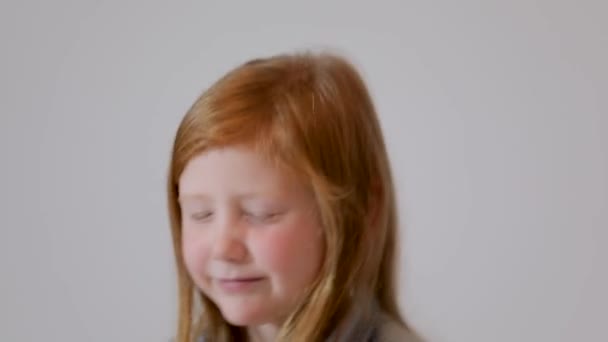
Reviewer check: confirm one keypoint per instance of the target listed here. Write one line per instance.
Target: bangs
(256, 106)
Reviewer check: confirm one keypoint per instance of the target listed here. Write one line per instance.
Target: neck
(263, 333)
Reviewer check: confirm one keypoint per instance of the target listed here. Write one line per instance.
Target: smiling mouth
(238, 284)
(239, 280)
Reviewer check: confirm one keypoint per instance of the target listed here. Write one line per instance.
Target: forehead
(235, 169)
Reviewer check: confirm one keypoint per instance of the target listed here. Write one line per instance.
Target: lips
(242, 279)
(234, 285)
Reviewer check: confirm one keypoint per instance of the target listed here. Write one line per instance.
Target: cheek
(294, 251)
(195, 254)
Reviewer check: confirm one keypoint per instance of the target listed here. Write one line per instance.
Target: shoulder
(391, 330)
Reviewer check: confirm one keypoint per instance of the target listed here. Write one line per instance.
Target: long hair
(311, 113)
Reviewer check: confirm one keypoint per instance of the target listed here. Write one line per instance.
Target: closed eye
(201, 216)
(263, 217)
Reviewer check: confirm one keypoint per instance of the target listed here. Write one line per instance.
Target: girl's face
(251, 236)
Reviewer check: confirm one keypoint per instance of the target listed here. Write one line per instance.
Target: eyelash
(262, 217)
(257, 218)
(201, 216)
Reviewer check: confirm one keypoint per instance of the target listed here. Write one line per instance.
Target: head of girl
(281, 204)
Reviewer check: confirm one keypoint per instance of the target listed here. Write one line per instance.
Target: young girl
(282, 208)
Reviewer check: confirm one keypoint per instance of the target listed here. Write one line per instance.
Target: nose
(229, 244)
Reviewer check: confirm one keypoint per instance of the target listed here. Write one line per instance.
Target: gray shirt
(381, 329)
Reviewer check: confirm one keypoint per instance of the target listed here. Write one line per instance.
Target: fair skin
(251, 237)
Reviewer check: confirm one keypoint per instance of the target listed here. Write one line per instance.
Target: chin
(241, 320)
(243, 317)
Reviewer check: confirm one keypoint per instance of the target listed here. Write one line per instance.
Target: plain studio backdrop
(495, 115)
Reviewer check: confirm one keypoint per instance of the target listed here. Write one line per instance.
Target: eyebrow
(183, 197)
(199, 196)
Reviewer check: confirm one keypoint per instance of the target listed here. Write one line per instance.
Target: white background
(495, 114)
